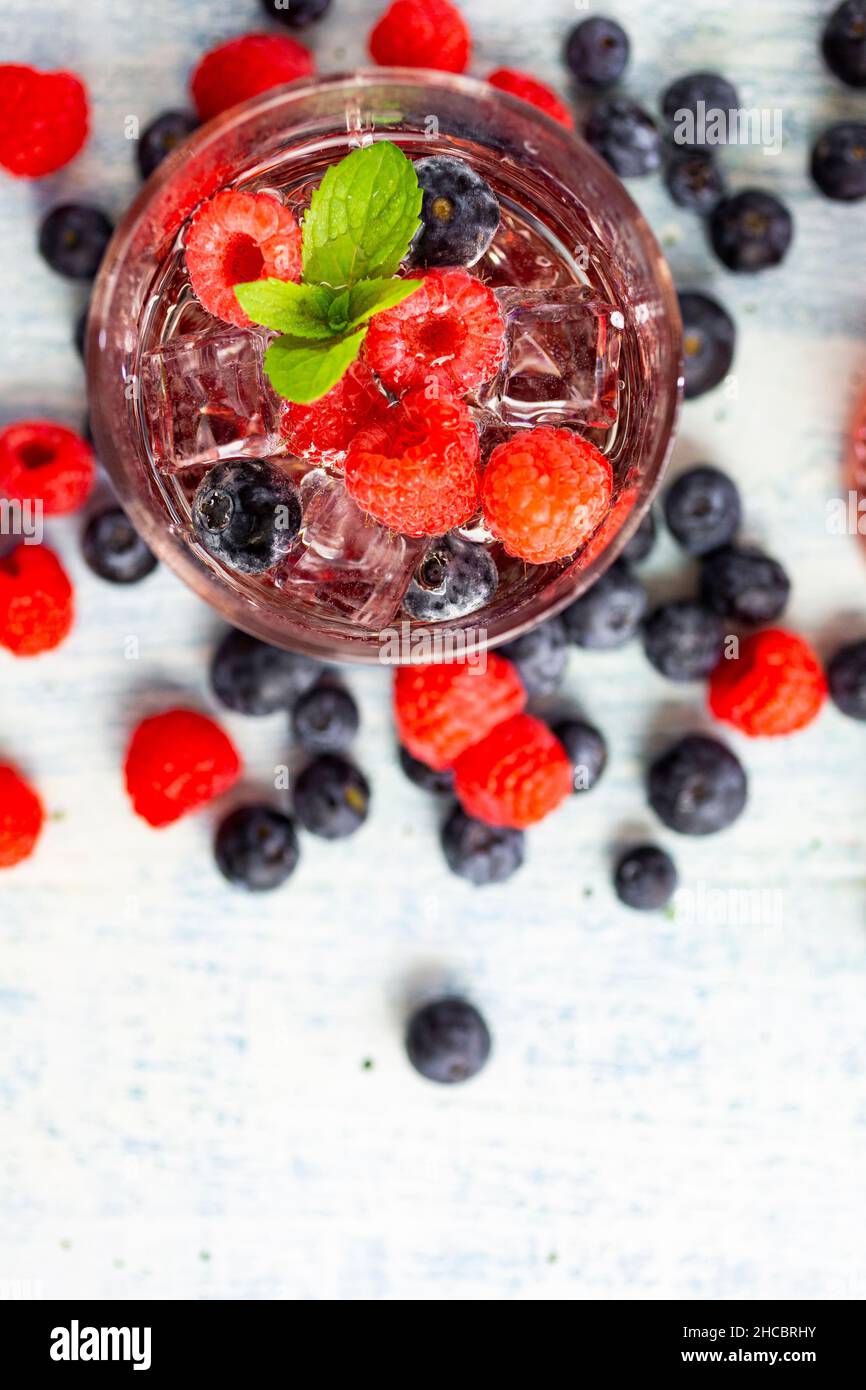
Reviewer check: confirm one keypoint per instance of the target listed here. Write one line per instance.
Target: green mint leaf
(299, 310)
(304, 371)
(338, 314)
(370, 297)
(361, 218)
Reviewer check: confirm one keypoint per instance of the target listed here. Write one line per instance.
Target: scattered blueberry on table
(448, 1041)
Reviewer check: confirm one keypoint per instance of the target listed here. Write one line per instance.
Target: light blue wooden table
(675, 1107)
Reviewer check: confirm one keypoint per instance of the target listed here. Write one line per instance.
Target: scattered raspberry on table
(36, 600)
(440, 710)
(538, 94)
(244, 67)
(515, 776)
(47, 464)
(44, 120)
(422, 34)
(177, 762)
(775, 686)
(21, 818)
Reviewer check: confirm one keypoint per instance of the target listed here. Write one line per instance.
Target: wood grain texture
(675, 1107)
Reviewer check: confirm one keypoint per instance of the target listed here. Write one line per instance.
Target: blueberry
(839, 161)
(332, 798)
(609, 613)
(645, 878)
(846, 675)
(427, 778)
(162, 137)
(586, 749)
(325, 718)
(709, 338)
(114, 550)
(481, 853)
(447, 1041)
(251, 677)
(73, 238)
(694, 181)
(246, 513)
(79, 334)
(743, 583)
(540, 656)
(680, 107)
(295, 13)
(256, 847)
(455, 578)
(683, 640)
(640, 546)
(459, 213)
(626, 136)
(751, 230)
(844, 42)
(702, 509)
(597, 52)
(698, 786)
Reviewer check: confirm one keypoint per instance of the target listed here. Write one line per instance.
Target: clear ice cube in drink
(561, 359)
(205, 397)
(346, 565)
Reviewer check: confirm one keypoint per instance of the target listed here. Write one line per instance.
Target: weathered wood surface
(675, 1107)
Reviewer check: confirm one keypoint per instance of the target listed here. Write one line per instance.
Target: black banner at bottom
(160, 1338)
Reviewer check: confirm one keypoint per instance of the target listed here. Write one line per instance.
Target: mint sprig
(362, 217)
(358, 228)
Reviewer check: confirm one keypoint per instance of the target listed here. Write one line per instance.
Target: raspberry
(21, 817)
(422, 34)
(235, 238)
(177, 762)
(417, 471)
(520, 84)
(440, 710)
(244, 67)
(450, 330)
(775, 686)
(36, 601)
(544, 493)
(44, 120)
(323, 431)
(45, 463)
(515, 776)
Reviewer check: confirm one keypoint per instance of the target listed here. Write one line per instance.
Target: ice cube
(205, 397)
(561, 359)
(521, 255)
(347, 566)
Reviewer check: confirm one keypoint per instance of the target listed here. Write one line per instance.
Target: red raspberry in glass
(235, 238)
(450, 332)
(417, 470)
(544, 493)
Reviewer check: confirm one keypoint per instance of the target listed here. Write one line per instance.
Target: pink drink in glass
(593, 346)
